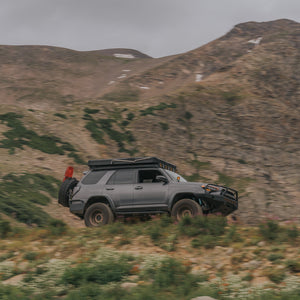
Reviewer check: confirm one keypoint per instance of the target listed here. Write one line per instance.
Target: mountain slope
(227, 112)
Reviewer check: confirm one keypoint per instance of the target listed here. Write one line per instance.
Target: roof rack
(119, 163)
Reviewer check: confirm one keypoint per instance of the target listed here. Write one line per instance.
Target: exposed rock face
(227, 112)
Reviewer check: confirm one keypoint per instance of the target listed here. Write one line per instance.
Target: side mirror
(160, 178)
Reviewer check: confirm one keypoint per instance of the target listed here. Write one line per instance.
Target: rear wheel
(98, 214)
(65, 191)
(186, 207)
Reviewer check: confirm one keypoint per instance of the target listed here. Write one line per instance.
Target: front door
(148, 193)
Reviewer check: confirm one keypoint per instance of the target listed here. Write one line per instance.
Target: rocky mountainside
(227, 112)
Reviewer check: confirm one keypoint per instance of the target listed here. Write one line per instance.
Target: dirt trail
(57, 211)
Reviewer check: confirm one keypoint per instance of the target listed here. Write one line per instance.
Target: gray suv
(140, 186)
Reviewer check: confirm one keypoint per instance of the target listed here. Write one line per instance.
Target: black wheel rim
(184, 211)
(96, 218)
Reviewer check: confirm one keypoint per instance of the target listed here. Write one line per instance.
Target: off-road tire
(65, 190)
(98, 214)
(186, 207)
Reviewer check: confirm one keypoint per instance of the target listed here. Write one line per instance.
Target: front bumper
(221, 199)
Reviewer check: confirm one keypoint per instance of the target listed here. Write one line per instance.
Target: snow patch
(122, 76)
(198, 77)
(256, 41)
(161, 82)
(126, 70)
(119, 55)
(144, 87)
(111, 82)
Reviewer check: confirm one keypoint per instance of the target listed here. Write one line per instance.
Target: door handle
(138, 187)
(109, 188)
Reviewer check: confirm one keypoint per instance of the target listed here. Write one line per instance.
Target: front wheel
(98, 214)
(186, 207)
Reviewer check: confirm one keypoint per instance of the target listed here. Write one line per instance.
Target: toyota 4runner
(140, 186)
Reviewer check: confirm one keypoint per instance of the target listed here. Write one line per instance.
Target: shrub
(57, 227)
(151, 110)
(188, 115)
(164, 126)
(63, 116)
(293, 233)
(130, 116)
(201, 225)
(232, 235)
(5, 228)
(91, 111)
(9, 292)
(171, 275)
(155, 232)
(209, 241)
(293, 265)
(269, 230)
(31, 255)
(100, 272)
(275, 256)
(275, 275)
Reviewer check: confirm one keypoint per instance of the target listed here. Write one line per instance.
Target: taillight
(69, 173)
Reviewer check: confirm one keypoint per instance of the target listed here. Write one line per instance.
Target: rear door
(119, 188)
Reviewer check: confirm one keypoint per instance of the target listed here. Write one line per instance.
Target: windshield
(176, 176)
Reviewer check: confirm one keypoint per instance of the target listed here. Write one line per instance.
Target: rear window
(123, 177)
(93, 177)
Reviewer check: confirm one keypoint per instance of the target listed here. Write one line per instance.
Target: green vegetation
(231, 97)
(101, 272)
(20, 194)
(188, 115)
(162, 106)
(5, 229)
(100, 127)
(19, 136)
(97, 272)
(272, 231)
(164, 126)
(130, 116)
(91, 111)
(63, 116)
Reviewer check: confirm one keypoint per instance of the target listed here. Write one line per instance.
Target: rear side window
(122, 177)
(93, 177)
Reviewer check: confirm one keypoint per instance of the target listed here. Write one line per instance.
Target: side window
(122, 177)
(93, 177)
(148, 176)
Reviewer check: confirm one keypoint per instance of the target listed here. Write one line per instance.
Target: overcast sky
(155, 27)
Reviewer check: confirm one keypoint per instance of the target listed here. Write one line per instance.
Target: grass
(97, 272)
(21, 195)
(111, 128)
(18, 136)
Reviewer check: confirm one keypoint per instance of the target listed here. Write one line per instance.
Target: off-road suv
(140, 186)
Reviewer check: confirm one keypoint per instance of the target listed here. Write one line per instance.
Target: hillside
(227, 112)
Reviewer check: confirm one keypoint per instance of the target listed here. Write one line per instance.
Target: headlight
(210, 188)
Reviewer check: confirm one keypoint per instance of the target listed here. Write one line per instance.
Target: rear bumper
(77, 207)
